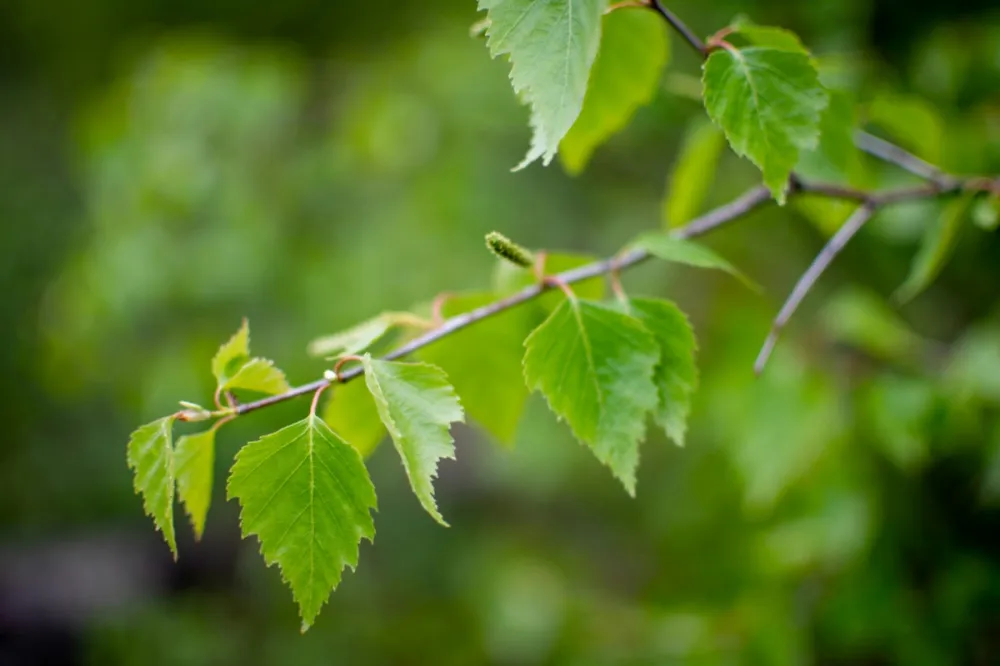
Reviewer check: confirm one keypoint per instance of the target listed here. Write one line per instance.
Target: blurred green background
(169, 167)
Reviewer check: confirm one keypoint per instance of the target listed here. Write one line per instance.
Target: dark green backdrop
(169, 167)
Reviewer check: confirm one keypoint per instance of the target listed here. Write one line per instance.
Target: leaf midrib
(589, 354)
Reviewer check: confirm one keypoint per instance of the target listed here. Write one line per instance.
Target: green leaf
(352, 341)
(552, 45)
(763, 35)
(350, 411)
(508, 279)
(595, 366)
(693, 174)
(306, 494)
(260, 375)
(151, 458)
(234, 369)
(194, 461)
(832, 158)
(936, 248)
(625, 76)
(417, 406)
(360, 338)
(769, 102)
(679, 251)
(232, 355)
(483, 362)
(676, 374)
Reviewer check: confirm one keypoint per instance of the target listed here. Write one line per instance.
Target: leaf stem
(615, 277)
(627, 4)
(315, 400)
(437, 307)
(340, 363)
(555, 281)
(223, 421)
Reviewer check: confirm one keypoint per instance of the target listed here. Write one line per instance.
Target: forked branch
(737, 208)
(940, 183)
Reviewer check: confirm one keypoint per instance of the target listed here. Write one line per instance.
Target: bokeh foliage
(167, 168)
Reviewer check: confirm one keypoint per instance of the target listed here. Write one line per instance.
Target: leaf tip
(628, 481)
(440, 520)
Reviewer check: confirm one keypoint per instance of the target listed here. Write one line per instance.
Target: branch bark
(737, 208)
(939, 184)
(823, 260)
(696, 42)
(893, 154)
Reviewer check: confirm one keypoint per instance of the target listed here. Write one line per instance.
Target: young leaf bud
(507, 249)
(193, 412)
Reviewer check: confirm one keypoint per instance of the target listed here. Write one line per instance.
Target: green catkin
(505, 248)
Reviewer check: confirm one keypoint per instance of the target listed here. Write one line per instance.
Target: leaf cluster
(304, 491)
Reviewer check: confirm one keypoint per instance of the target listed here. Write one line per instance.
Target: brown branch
(871, 203)
(696, 43)
(893, 154)
(829, 190)
(710, 221)
(812, 274)
(873, 145)
(939, 184)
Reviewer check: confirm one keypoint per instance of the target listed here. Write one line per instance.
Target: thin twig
(812, 274)
(696, 43)
(940, 183)
(890, 152)
(710, 221)
(871, 203)
(738, 207)
(869, 143)
(830, 190)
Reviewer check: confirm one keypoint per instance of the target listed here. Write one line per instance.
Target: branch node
(615, 278)
(556, 281)
(718, 41)
(710, 221)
